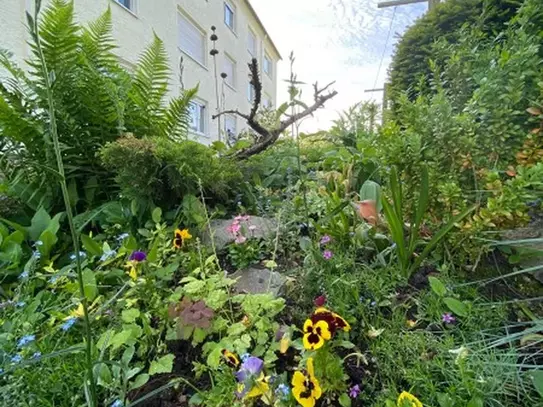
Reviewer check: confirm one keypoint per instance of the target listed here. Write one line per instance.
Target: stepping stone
(256, 280)
(264, 228)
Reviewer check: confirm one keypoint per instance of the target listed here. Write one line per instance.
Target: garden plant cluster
(380, 272)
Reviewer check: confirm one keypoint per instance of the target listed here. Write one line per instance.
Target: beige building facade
(185, 28)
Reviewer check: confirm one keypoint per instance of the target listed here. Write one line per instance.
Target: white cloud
(333, 40)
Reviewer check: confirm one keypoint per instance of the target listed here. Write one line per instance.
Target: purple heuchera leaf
(138, 256)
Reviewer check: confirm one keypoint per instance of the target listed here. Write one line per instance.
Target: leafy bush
(411, 64)
(162, 171)
(96, 100)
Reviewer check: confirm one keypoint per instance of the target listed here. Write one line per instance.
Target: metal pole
(393, 3)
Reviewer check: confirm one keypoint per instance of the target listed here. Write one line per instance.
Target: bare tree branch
(270, 136)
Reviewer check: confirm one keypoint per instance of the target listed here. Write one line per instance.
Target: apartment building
(185, 28)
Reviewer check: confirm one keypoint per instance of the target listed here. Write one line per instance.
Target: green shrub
(411, 61)
(162, 171)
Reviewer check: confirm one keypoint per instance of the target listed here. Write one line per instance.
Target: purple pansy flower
(354, 391)
(138, 256)
(251, 367)
(448, 318)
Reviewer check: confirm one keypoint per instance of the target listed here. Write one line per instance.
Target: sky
(335, 40)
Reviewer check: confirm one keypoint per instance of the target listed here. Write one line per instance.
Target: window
(267, 65)
(251, 43)
(129, 4)
(230, 70)
(197, 112)
(250, 92)
(191, 39)
(267, 103)
(229, 16)
(230, 127)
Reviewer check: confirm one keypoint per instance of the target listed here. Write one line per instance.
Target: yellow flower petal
(317, 391)
(406, 399)
(133, 273)
(298, 379)
(323, 330)
(311, 345)
(310, 367)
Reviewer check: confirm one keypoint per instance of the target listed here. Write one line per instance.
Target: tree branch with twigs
(268, 136)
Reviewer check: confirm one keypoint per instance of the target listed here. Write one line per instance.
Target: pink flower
(325, 239)
(327, 254)
(246, 218)
(240, 239)
(320, 300)
(234, 228)
(238, 218)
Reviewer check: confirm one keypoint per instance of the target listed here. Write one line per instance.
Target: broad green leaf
(456, 306)
(141, 380)
(90, 246)
(89, 281)
(49, 240)
(199, 335)
(103, 373)
(39, 223)
(437, 286)
(475, 402)
(120, 339)
(445, 400)
(127, 355)
(105, 340)
(537, 380)
(371, 190)
(130, 315)
(156, 215)
(344, 400)
(162, 365)
(305, 243)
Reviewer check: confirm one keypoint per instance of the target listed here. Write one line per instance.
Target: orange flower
(367, 210)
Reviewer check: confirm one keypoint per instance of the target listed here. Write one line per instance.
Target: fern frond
(176, 118)
(97, 42)
(150, 85)
(59, 39)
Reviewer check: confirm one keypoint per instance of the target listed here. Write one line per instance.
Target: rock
(534, 250)
(264, 228)
(256, 280)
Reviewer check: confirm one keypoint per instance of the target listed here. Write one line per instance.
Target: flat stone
(256, 280)
(264, 228)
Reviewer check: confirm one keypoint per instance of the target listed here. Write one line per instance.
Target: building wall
(134, 30)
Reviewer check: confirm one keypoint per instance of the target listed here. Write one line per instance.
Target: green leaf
(445, 400)
(156, 215)
(139, 381)
(305, 243)
(127, 355)
(39, 223)
(104, 374)
(90, 246)
(371, 190)
(120, 339)
(537, 380)
(130, 315)
(345, 400)
(89, 281)
(198, 336)
(162, 365)
(437, 286)
(456, 306)
(475, 402)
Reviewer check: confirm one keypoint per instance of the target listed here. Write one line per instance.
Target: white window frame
(133, 8)
(267, 67)
(202, 108)
(255, 50)
(228, 5)
(231, 79)
(189, 20)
